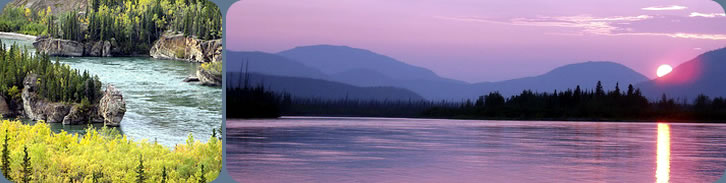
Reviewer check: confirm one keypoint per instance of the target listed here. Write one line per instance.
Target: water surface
(295, 149)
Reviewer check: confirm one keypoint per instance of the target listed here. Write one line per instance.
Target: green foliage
(135, 24)
(56, 82)
(213, 67)
(14, 93)
(20, 20)
(101, 155)
(71, 26)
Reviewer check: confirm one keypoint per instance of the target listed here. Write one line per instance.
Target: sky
(488, 40)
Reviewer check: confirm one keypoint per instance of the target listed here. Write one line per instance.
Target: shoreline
(573, 120)
(17, 36)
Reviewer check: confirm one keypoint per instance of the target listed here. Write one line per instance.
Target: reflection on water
(432, 150)
(662, 172)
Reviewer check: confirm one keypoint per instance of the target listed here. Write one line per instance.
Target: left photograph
(110, 91)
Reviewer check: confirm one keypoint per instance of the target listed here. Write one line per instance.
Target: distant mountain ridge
(366, 69)
(336, 59)
(271, 64)
(705, 74)
(585, 74)
(321, 89)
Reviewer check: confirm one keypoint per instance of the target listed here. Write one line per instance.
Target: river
(159, 106)
(310, 149)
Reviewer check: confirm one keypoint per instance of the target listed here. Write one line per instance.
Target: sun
(663, 70)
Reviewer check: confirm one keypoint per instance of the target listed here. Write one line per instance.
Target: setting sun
(663, 70)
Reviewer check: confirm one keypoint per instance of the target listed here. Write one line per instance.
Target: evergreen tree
(27, 169)
(140, 175)
(96, 176)
(163, 175)
(630, 90)
(202, 179)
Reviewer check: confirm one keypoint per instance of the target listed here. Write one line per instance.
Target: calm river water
(159, 106)
(305, 149)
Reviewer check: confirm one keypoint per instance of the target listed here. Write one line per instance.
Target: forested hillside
(57, 82)
(131, 25)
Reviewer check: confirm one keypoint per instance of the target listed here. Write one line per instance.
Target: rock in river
(59, 47)
(109, 110)
(112, 106)
(208, 79)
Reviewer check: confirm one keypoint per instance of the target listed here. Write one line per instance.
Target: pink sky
(488, 40)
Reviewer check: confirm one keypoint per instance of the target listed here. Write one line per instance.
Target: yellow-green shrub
(63, 157)
(213, 67)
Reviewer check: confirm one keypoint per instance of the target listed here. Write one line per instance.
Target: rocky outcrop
(37, 108)
(112, 106)
(97, 49)
(69, 48)
(59, 47)
(4, 108)
(180, 47)
(82, 115)
(207, 78)
(212, 50)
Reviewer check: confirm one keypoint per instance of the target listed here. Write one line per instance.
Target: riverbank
(17, 36)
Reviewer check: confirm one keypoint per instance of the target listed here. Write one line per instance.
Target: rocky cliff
(38, 108)
(69, 48)
(180, 47)
(59, 47)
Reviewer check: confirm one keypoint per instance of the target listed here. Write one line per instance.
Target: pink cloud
(665, 8)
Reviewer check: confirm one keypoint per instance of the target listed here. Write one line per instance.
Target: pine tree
(6, 157)
(202, 179)
(97, 175)
(27, 169)
(630, 90)
(163, 174)
(140, 176)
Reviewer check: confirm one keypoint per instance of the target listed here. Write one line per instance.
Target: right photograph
(476, 91)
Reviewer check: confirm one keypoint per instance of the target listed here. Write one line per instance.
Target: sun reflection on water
(662, 172)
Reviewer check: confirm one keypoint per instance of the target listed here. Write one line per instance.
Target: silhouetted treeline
(257, 102)
(253, 102)
(577, 104)
(571, 104)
